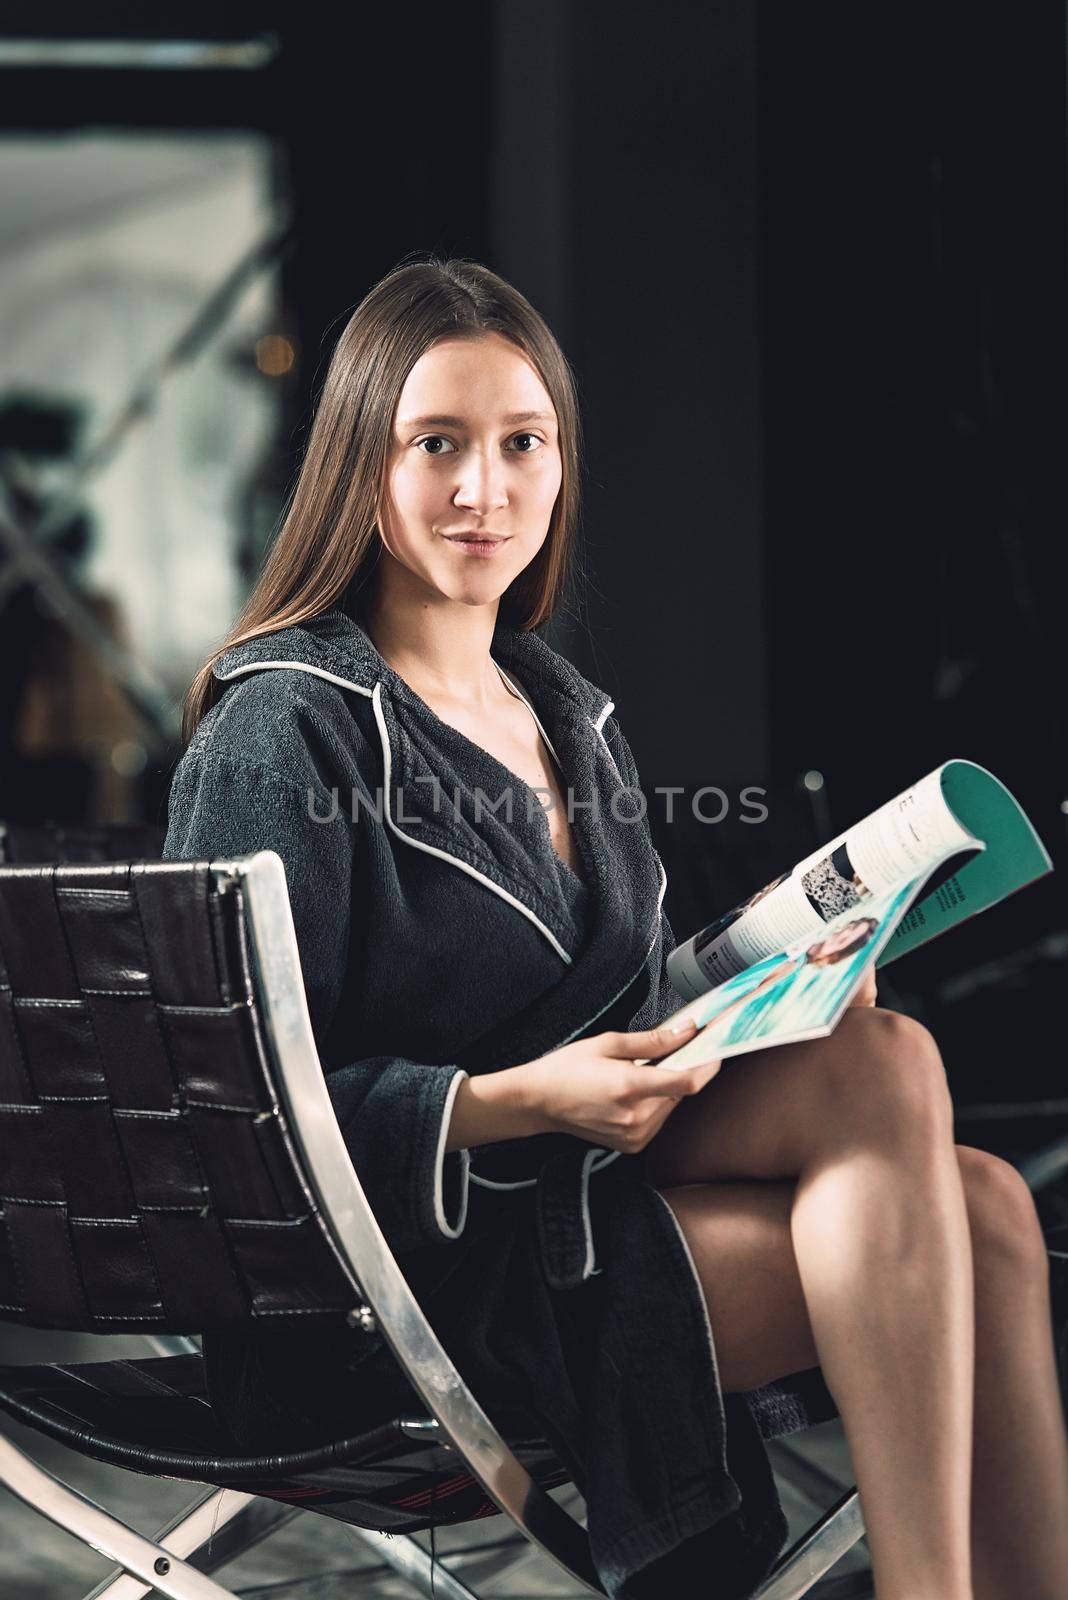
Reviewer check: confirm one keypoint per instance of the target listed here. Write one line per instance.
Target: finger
(653, 1042)
(653, 1081)
(866, 994)
(690, 1079)
(667, 1063)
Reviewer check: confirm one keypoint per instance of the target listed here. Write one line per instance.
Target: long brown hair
(328, 545)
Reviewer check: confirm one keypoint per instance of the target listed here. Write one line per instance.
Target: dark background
(809, 266)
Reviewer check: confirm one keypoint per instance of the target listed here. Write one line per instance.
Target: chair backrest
(24, 842)
(147, 1181)
(170, 1160)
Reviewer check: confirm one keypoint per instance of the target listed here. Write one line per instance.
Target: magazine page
(959, 807)
(1016, 856)
(799, 992)
(893, 845)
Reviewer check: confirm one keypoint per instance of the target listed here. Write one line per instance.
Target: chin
(480, 589)
(480, 599)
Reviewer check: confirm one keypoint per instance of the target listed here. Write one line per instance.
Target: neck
(441, 651)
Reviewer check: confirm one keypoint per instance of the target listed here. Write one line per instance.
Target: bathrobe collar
(334, 645)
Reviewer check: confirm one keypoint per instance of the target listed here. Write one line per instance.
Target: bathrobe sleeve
(393, 1113)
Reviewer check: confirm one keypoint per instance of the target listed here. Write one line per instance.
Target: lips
(475, 544)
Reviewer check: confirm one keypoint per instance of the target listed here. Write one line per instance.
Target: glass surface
(115, 250)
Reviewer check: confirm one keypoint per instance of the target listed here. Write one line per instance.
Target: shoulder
(261, 772)
(283, 722)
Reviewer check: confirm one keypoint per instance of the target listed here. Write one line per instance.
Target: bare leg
(863, 1122)
(1020, 1478)
(740, 1237)
(1020, 1471)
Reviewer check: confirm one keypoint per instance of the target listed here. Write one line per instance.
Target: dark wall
(625, 207)
(914, 310)
(386, 151)
(669, 344)
(914, 330)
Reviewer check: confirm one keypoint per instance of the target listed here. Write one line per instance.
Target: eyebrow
(460, 422)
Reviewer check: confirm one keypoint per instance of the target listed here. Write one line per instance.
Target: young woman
(619, 1252)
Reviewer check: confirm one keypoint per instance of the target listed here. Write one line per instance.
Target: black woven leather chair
(170, 1163)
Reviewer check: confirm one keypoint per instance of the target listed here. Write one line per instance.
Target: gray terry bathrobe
(445, 939)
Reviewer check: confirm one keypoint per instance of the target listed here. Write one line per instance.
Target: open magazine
(784, 964)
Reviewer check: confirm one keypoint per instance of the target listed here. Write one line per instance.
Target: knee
(1005, 1226)
(888, 1074)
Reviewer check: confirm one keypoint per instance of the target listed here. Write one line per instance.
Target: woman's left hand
(866, 995)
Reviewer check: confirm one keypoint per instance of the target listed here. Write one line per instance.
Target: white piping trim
(299, 666)
(599, 725)
(491, 1183)
(509, 680)
(387, 758)
(439, 1166)
(529, 1183)
(696, 1279)
(602, 715)
(590, 1268)
(432, 850)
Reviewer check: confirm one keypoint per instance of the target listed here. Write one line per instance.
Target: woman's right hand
(599, 1088)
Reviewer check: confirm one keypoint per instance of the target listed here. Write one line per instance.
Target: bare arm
(491, 1107)
(599, 1089)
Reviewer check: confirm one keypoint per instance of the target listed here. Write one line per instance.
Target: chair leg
(816, 1552)
(219, 1526)
(87, 1521)
(496, 1561)
(172, 1344)
(805, 1477)
(222, 1524)
(850, 1586)
(1045, 1166)
(411, 1561)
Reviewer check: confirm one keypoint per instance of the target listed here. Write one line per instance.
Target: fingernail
(681, 1027)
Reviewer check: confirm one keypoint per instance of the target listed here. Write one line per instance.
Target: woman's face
(474, 448)
(838, 943)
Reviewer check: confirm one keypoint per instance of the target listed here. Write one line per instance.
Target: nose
(481, 487)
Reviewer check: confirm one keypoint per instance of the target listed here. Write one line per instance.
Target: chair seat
(792, 1404)
(153, 1416)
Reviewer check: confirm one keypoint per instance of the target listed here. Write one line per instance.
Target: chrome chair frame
(361, 1246)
